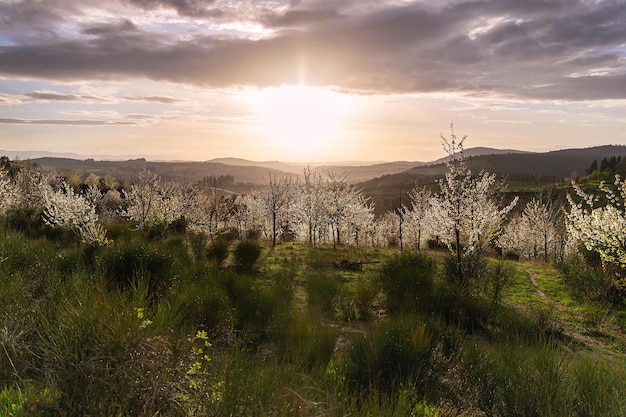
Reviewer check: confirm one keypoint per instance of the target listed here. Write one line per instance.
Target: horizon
(33, 154)
(310, 80)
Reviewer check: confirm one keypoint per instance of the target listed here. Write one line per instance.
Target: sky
(309, 80)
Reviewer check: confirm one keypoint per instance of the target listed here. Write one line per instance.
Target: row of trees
(467, 214)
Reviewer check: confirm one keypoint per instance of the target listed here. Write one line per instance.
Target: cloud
(295, 18)
(54, 96)
(9, 99)
(156, 99)
(548, 50)
(13, 121)
(124, 26)
(191, 8)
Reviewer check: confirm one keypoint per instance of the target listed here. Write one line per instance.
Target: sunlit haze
(309, 80)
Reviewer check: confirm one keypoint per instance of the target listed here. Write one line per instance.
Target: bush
(29, 220)
(201, 303)
(124, 263)
(246, 254)
(255, 305)
(589, 283)
(404, 352)
(218, 251)
(472, 269)
(407, 281)
(517, 380)
(303, 341)
(498, 277)
(322, 290)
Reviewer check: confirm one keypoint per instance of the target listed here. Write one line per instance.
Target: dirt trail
(585, 342)
(531, 274)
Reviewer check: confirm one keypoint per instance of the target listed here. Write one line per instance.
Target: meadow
(184, 326)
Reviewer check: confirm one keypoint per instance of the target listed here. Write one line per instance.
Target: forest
(149, 297)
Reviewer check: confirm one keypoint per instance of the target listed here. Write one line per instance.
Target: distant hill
(377, 180)
(356, 172)
(245, 177)
(275, 165)
(366, 172)
(548, 167)
(245, 173)
(480, 151)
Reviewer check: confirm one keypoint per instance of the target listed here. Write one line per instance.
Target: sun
(302, 122)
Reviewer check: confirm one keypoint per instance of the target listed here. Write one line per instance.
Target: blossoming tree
(602, 228)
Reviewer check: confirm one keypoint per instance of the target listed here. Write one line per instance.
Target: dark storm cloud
(552, 50)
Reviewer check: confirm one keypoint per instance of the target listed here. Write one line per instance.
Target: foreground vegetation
(181, 326)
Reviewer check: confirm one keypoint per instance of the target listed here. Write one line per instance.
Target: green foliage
(246, 254)
(124, 263)
(218, 251)
(200, 302)
(255, 306)
(405, 352)
(515, 380)
(356, 302)
(302, 340)
(464, 276)
(407, 280)
(81, 333)
(29, 220)
(322, 290)
(589, 281)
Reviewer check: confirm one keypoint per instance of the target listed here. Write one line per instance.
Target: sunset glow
(301, 119)
(280, 80)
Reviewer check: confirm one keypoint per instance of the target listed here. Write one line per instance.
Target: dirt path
(580, 342)
(531, 274)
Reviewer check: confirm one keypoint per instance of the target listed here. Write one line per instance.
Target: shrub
(302, 341)
(589, 282)
(255, 305)
(518, 380)
(203, 304)
(246, 254)
(198, 245)
(124, 263)
(218, 251)
(407, 281)
(118, 229)
(356, 302)
(29, 220)
(322, 289)
(404, 352)
(498, 277)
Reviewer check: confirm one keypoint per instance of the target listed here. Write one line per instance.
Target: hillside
(244, 177)
(520, 168)
(382, 181)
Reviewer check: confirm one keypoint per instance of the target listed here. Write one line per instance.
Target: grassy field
(173, 328)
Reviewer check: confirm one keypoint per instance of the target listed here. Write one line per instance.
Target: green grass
(145, 328)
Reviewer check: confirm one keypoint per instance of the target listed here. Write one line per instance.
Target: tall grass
(519, 380)
(146, 328)
(407, 281)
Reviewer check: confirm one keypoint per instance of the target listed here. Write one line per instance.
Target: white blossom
(602, 229)
(8, 191)
(65, 208)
